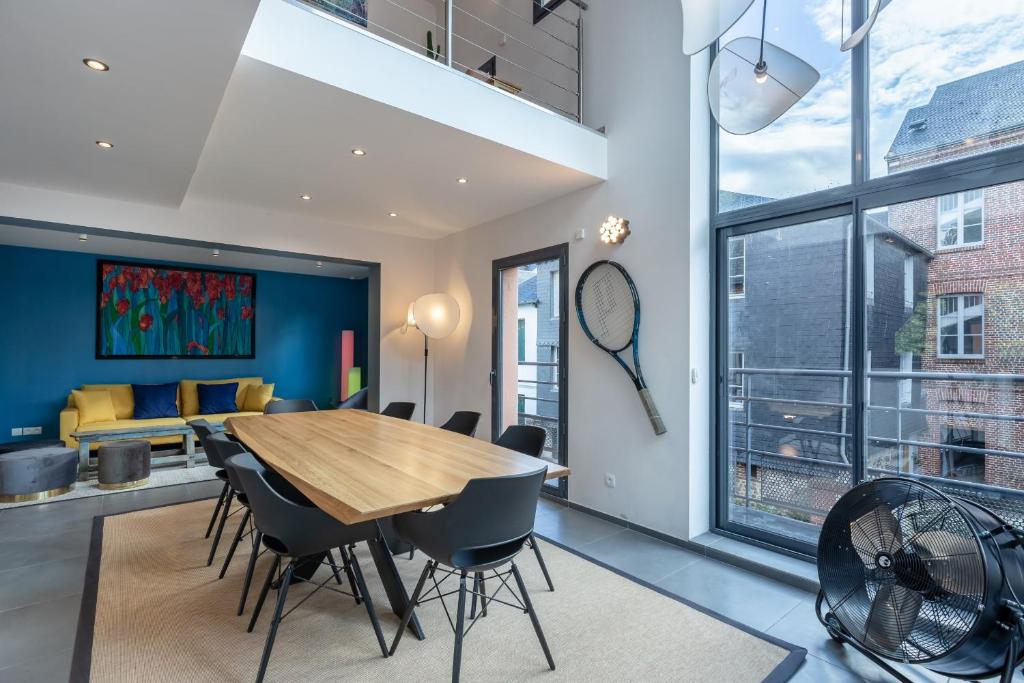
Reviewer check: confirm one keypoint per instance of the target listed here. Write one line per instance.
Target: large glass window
(789, 353)
(808, 148)
(945, 81)
(945, 378)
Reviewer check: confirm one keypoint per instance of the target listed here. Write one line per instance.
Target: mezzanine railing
(539, 61)
(796, 487)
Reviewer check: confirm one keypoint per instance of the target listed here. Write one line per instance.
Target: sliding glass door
(787, 444)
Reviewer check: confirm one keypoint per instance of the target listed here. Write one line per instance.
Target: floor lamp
(436, 316)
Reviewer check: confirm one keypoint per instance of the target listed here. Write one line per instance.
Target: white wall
(637, 83)
(407, 266)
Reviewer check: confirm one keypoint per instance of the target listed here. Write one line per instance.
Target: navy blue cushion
(217, 398)
(155, 400)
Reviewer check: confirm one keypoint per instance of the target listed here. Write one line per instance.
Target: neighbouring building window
(908, 282)
(961, 219)
(737, 380)
(737, 267)
(961, 319)
(522, 339)
(555, 300)
(957, 464)
(521, 404)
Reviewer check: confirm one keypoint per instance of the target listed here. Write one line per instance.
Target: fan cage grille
(902, 569)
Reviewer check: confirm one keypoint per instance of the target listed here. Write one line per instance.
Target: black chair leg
(242, 526)
(263, 592)
(334, 567)
(533, 615)
(220, 503)
(476, 589)
(360, 582)
(411, 607)
(540, 561)
(483, 592)
(220, 527)
(282, 595)
(257, 539)
(347, 561)
(460, 620)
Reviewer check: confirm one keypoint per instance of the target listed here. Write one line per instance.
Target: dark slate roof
(973, 107)
(730, 201)
(528, 291)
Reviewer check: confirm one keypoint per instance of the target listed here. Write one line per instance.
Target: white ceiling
(279, 134)
(191, 119)
(151, 250)
(169, 64)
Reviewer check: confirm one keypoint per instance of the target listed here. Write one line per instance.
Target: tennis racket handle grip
(652, 412)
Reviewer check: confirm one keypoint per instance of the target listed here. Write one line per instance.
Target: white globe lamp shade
(436, 315)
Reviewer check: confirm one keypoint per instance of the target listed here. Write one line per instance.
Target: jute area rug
(153, 611)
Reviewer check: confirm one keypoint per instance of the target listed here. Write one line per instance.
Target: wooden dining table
(358, 466)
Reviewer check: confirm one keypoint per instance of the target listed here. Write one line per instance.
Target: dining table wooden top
(359, 466)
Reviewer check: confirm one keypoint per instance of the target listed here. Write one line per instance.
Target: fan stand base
(839, 634)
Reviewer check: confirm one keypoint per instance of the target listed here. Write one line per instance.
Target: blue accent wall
(48, 337)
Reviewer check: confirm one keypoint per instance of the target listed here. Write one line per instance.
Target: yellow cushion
(93, 407)
(131, 424)
(257, 396)
(190, 395)
(120, 394)
(220, 417)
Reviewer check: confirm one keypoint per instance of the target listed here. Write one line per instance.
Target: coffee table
(85, 439)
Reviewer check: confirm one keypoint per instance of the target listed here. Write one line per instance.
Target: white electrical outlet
(32, 431)
(16, 431)
(609, 480)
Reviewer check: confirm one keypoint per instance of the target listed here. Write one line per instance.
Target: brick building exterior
(976, 242)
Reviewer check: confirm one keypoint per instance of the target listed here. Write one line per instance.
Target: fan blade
(874, 532)
(952, 560)
(891, 619)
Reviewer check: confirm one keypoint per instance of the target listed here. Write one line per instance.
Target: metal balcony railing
(804, 488)
(539, 62)
(549, 423)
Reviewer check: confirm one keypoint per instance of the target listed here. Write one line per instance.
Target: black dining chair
(462, 422)
(481, 530)
(289, 405)
(299, 534)
(357, 401)
(403, 410)
(203, 431)
(218, 447)
(528, 440)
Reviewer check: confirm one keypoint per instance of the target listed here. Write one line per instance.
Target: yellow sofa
(124, 408)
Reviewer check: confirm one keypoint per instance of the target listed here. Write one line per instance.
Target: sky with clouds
(915, 46)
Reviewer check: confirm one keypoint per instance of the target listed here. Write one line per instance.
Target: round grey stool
(123, 464)
(37, 473)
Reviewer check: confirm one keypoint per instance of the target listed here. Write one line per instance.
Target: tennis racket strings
(608, 307)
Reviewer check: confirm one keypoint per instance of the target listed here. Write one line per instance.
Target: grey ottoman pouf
(37, 473)
(123, 464)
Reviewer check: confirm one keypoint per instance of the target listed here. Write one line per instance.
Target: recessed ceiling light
(95, 64)
(359, 152)
(216, 252)
(319, 264)
(83, 237)
(104, 144)
(463, 181)
(305, 197)
(393, 214)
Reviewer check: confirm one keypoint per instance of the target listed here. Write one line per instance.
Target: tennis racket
(608, 307)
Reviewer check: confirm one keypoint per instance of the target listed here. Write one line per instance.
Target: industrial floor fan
(912, 575)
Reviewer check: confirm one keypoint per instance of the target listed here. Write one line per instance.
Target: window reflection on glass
(737, 266)
(944, 84)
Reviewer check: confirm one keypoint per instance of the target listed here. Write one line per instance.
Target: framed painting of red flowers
(151, 311)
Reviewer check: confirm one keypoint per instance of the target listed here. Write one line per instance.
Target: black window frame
(987, 169)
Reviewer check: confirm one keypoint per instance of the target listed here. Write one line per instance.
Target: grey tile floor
(43, 551)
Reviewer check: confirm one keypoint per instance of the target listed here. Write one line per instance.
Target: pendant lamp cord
(764, 17)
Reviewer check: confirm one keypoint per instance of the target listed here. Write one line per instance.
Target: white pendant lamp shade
(858, 36)
(744, 101)
(436, 315)
(705, 21)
